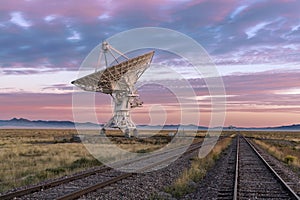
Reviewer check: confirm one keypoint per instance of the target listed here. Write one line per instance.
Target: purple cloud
(51, 36)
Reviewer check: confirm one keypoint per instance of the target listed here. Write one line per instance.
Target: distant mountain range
(25, 123)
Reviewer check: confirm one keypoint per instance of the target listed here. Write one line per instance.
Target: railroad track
(255, 178)
(247, 175)
(227, 174)
(78, 185)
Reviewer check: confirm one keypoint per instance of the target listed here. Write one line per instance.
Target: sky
(255, 45)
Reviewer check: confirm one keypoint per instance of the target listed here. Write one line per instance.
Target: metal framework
(118, 81)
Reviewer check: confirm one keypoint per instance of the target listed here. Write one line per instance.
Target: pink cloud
(53, 22)
(249, 95)
(87, 10)
(90, 10)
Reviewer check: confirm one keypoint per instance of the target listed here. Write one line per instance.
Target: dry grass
(278, 135)
(286, 152)
(197, 171)
(29, 156)
(283, 145)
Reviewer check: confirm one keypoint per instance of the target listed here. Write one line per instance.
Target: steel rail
(55, 183)
(281, 181)
(97, 186)
(235, 191)
(50, 184)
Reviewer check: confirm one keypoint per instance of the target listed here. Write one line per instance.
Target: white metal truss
(118, 81)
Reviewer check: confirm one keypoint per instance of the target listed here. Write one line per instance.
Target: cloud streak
(65, 32)
(260, 40)
(247, 94)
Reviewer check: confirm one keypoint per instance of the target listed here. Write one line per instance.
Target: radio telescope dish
(119, 82)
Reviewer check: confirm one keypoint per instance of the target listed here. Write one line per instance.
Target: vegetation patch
(83, 163)
(290, 159)
(77, 164)
(30, 156)
(56, 170)
(186, 183)
(288, 154)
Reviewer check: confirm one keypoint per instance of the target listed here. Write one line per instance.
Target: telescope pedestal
(118, 81)
(123, 102)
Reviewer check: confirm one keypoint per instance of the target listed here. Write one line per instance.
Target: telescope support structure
(118, 81)
(123, 101)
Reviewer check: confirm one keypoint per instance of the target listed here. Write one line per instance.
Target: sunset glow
(254, 44)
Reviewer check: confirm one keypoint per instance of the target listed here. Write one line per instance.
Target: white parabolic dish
(119, 81)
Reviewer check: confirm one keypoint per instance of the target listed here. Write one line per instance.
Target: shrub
(56, 171)
(29, 180)
(199, 167)
(84, 162)
(289, 159)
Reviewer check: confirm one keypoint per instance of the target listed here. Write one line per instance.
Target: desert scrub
(270, 149)
(26, 164)
(287, 154)
(199, 167)
(290, 159)
(31, 156)
(278, 135)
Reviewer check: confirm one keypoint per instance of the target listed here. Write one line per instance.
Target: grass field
(285, 146)
(197, 171)
(29, 156)
(33, 155)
